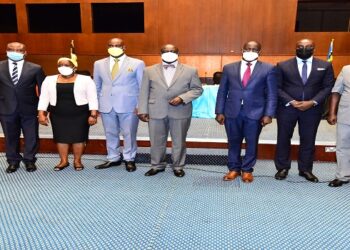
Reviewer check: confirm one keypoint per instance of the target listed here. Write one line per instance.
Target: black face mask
(304, 53)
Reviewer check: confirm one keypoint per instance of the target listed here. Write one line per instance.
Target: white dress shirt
(308, 63)
(169, 72)
(244, 67)
(112, 61)
(19, 67)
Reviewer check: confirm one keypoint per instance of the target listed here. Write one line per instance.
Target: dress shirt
(19, 67)
(300, 68)
(244, 67)
(112, 61)
(308, 63)
(169, 72)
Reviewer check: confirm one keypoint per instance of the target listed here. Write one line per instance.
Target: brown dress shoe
(247, 177)
(231, 175)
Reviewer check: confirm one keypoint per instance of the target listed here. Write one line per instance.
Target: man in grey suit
(165, 102)
(341, 98)
(118, 80)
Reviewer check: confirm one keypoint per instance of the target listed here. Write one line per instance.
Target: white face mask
(250, 56)
(170, 57)
(115, 51)
(65, 71)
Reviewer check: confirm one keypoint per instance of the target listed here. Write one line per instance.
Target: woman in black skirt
(70, 101)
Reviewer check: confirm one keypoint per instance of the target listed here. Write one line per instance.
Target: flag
(73, 56)
(330, 52)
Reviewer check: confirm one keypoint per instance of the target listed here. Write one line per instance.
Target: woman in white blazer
(70, 101)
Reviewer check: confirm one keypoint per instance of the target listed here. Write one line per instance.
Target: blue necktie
(304, 72)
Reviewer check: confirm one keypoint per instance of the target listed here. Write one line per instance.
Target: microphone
(205, 78)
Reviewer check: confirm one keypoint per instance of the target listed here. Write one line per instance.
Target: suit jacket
(317, 87)
(120, 93)
(259, 97)
(84, 90)
(23, 96)
(155, 93)
(342, 86)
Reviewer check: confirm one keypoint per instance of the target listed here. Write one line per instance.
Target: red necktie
(246, 75)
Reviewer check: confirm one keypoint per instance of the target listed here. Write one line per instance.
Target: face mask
(15, 56)
(304, 53)
(169, 57)
(115, 51)
(250, 56)
(65, 71)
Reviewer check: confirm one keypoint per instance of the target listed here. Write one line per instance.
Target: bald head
(116, 42)
(305, 42)
(252, 46)
(169, 48)
(16, 47)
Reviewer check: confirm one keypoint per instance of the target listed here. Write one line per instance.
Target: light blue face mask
(15, 56)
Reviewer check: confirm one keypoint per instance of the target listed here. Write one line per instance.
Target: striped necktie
(14, 73)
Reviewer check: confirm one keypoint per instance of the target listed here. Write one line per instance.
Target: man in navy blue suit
(304, 83)
(19, 82)
(246, 101)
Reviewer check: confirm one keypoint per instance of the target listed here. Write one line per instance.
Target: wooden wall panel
(191, 25)
(230, 26)
(278, 27)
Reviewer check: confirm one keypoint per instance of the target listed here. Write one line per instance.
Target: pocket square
(320, 69)
(130, 70)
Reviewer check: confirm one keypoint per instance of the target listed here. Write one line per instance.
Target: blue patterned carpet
(114, 209)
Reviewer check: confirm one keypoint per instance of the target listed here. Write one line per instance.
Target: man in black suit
(19, 83)
(304, 83)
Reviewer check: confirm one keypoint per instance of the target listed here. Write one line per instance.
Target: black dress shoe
(308, 176)
(108, 164)
(337, 183)
(12, 168)
(30, 166)
(153, 171)
(179, 173)
(130, 166)
(281, 174)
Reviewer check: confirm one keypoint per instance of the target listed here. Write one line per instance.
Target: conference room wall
(209, 33)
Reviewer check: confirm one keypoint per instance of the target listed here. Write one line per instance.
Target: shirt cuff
(288, 103)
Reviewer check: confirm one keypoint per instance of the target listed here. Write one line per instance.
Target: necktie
(15, 73)
(115, 68)
(304, 72)
(246, 75)
(166, 66)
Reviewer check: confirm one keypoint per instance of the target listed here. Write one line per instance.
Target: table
(204, 106)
